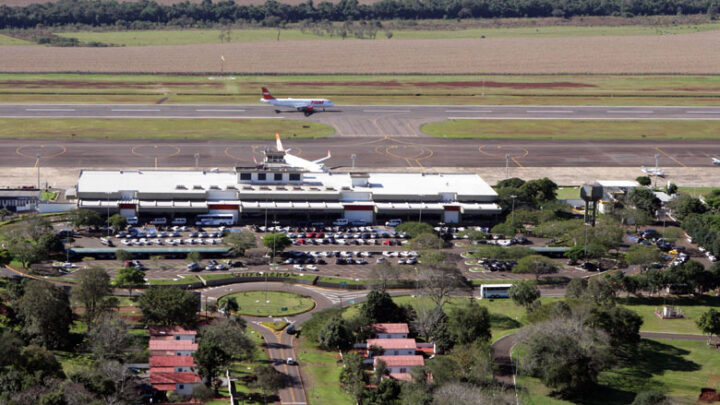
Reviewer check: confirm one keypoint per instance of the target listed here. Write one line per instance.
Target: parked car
(193, 267)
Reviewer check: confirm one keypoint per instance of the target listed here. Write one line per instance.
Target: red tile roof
(392, 343)
(164, 387)
(170, 330)
(391, 328)
(172, 345)
(402, 361)
(171, 361)
(401, 376)
(173, 378)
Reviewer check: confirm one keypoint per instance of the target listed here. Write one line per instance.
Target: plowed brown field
(687, 53)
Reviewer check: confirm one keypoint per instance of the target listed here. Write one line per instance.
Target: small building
(19, 199)
(391, 330)
(177, 332)
(393, 347)
(398, 366)
(172, 347)
(176, 364)
(181, 383)
(615, 191)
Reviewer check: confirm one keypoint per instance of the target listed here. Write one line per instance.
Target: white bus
(215, 219)
(495, 290)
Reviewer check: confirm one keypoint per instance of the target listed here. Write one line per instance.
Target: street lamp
(507, 166)
(38, 156)
(107, 220)
(197, 160)
(512, 211)
(353, 157)
(656, 169)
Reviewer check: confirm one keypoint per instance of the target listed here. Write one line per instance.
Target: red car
(301, 241)
(386, 242)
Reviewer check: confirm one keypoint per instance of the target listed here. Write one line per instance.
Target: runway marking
(19, 152)
(672, 158)
(386, 111)
(630, 111)
(702, 112)
(49, 109)
(135, 110)
(512, 157)
(549, 111)
(210, 110)
(468, 111)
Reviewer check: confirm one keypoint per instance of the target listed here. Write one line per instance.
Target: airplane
(653, 172)
(306, 105)
(716, 161)
(295, 161)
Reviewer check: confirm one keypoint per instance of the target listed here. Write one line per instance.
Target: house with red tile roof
(391, 330)
(163, 347)
(181, 383)
(179, 364)
(397, 365)
(171, 359)
(393, 347)
(174, 332)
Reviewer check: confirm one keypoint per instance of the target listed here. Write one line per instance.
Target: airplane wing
(328, 157)
(301, 104)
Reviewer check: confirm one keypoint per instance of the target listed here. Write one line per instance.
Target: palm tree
(229, 305)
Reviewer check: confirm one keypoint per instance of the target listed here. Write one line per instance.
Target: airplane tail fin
(266, 94)
(278, 143)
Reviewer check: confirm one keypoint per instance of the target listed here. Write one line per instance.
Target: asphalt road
(362, 120)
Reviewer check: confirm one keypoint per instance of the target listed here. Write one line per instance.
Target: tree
(671, 188)
(413, 229)
(644, 199)
(643, 181)
(84, 217)
(643, 255)
(276, 242)
(387, 392)
(108, 338)
(25, 251)
(576, 288)
(524, 293)
(202, 393)
(45, 314)
(230, 334)
(194, 256)
(352, 376)
(128, 277)
(634, 216)
(684, 205)
(49, 243)
(535, 264)
(117, 222)
(5, 257)
(474, 235)
(382, 274)
(652, 397)
(463, 393)
(600, 291)
(440, 280)
(426, 241)
(228, 305)
(122, 255)
(93, 291)
(239, 242)
(709, 323)
(380, 308)
(210, 358)
(168, 306)
(621, 324)
(565, 355)
(470, 323)
(334, 335)
(269, 380)
(380, 370)
(474, 363)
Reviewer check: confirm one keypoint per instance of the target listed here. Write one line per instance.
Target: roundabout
(270, 303)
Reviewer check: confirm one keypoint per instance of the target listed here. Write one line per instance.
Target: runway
(362, 120)
(422, 153)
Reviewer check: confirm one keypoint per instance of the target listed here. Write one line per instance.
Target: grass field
(572, 129)
(568, 193)
(160, 129)
(209, 36)
(322, 371)
(8, 40)
(678, 368)
(692, 308)
(254, 303)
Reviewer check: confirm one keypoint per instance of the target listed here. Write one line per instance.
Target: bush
(643, 180)
(653, 397)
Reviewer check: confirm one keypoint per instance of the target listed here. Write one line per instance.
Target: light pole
(656, 169)
(507, 166)
(38, 156)
(107, 220)
(512, 211)
(353, 157)
(197, 160)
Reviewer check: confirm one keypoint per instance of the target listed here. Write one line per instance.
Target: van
(159, 221)
(341, 222)
(179, 221)
(393, 222)
(132, 220)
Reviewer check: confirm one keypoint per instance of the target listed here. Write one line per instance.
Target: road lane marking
(468, 111)
(49, 109)
(703, 112)
(135, 110)
(630, 111)
(549, 111)
(386, 111)
(210, 110)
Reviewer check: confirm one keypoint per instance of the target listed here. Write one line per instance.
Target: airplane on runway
(653, 172)
(292, 160)
(716, 161)
(306, 105)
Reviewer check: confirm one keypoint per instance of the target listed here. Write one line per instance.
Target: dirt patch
(478, 83)
(40, 84)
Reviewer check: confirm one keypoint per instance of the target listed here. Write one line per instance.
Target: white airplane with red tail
(296, 161)
(306, 105)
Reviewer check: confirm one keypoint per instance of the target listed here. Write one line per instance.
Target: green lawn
(271, 303)
(161, 129)
(572, 129)
(212, 36)
(692, 308)
(568, 193)
(242, 370)
(696, 191)
(677, 367)
(8, 40)
(175, 281)
(323, 372)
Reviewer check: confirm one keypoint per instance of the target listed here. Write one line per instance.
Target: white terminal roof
(619, 183)
(167, 181)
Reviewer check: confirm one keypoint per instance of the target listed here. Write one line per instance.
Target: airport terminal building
(278, 190)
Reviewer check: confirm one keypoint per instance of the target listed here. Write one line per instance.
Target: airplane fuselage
(301, 104)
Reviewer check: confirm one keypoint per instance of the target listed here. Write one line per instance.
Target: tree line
(140, 14)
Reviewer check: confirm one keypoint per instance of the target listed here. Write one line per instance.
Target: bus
(495, 290)
(215, 220)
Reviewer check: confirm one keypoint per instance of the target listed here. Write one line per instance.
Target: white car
(393, 222)
(298, 267)
(310, 267)
(68, 265)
